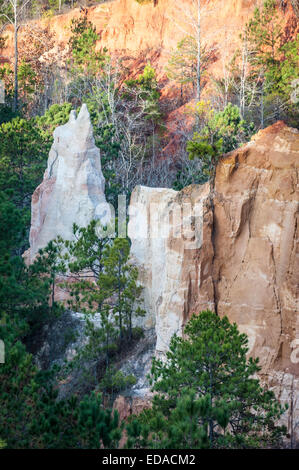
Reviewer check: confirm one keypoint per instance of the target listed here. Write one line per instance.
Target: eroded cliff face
(256, 265)
(234, 251)
(171, 234)
(149, 32)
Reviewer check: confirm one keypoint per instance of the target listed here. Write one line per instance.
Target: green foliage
(126, 114)
(127, 122)
(6, 9)
(83, 46)
(100, 428)
(48, 266)
(22, 160)
(56, 115)
(264, 32)
(275, 60)
(179, 430)
(17, 385)
(288, 70)
(6, 113)
(10, 266)
(281, 78)
(22, 292)
(27, 80)
(68, 424)
(2, 444)
(222, 132)
(103, 282)
(114, 381)
(182, 65)
(149, 92)
(205, 393)
(12, 226)
(30, 415)
(229, 125)
(102, 269)
(107, 141)
(6, 75)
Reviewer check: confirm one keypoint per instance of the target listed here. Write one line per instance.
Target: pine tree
(273, 59)
(30, 414)
(83, 46)
(205, 393)
(49, 265)
(99, 427)
(221, 132)
(22, 161)
(183, 64)
(103, 282)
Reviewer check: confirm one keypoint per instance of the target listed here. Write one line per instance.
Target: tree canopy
(207, 393)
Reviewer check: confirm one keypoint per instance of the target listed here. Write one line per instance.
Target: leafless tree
(191, 15)
(15, 18)
(126, 110)
(247, 81)
(224, 84)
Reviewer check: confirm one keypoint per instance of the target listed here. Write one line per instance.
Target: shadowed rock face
(245, 262)
(73, 186)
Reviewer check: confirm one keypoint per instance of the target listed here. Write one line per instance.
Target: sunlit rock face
(256, 244)
(256, 265)
(171, 235)
(73, 186)
(245, 263)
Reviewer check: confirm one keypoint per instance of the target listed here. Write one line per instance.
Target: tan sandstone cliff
(234, 250)
(241, 260)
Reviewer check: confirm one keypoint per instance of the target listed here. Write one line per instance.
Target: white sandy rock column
(72, 190)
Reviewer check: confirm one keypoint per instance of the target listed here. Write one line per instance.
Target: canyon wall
(236, 253)
(149, 32)
(232, 249)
